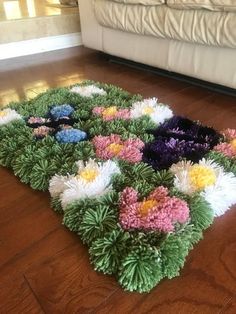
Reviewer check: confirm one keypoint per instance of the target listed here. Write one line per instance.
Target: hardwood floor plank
(230, 306)
(23, 231)
(16, 297)
(17, 198)
(52, 243)
(66, 283)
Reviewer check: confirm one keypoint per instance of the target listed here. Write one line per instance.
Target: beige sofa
(196, 38)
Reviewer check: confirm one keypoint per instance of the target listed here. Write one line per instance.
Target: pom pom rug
(136, 182)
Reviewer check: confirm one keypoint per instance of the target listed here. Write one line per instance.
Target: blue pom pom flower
(70, 136)
(61, 111)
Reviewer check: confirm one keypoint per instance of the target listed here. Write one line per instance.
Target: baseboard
(38, 45)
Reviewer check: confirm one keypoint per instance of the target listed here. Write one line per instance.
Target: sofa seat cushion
(143, 2)
(213, 5)
(195, 26)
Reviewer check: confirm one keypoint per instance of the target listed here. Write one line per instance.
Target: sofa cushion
(213, 5)
(144, 2)
(195, 26)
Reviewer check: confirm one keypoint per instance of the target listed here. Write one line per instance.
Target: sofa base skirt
(213, 64)
(170, 74)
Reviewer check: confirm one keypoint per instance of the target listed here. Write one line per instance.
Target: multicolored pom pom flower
(61, 111)
(32, 121)
(92, 180)
(111, 146)
(70, 135)
(158, 212)
(111, 113)
(8, 115)
(157, 112)
(88, 90)
(216, 186)
(228, 148)
(42, 131)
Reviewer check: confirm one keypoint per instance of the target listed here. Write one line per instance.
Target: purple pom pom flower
(163, 152)
(188, 130)
(179, 138)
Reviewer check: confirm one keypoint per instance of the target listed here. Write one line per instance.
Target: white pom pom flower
(57, 184)
(8, 115)
(92, 180)
(158, 112)
(216, 186)
(88, 90)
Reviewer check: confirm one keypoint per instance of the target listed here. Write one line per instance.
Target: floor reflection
(18, 9)
(26, 77)
(8, 96)
(29, 90)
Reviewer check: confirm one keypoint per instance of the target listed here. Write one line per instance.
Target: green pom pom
(41, 173)
(46, 145)
(143, 188)
(22, 165)
(56, 204)
(83, 151)
(152, 238)
(96, 222)
(140, 269)
(142, 171)
(119, 182)
(92, 126)
(12, 129)
(116, 127)
(139, 127)
(163, 177)
(177, 193)
(229, 164)
(202, 215)
(74, 212)
(65, 168)
(174, 251)
(8, 151)
(105, 253)
(110, 199)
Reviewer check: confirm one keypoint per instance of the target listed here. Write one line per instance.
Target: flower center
(148, 110)
(88, 175)
(233, 143)
(201, 176)
(146, 206)
(115, 148)
(110, 111)
(3, 113)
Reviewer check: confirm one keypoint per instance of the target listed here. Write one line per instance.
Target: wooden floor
(44, 268)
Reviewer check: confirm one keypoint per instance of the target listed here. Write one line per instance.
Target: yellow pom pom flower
(201, 176)
(207, 177)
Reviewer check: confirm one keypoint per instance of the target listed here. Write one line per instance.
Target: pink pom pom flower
(228, 148)
(111, 113)
(111, 146)
(158, 212)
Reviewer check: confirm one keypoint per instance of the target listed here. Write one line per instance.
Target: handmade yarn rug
(137, 183)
